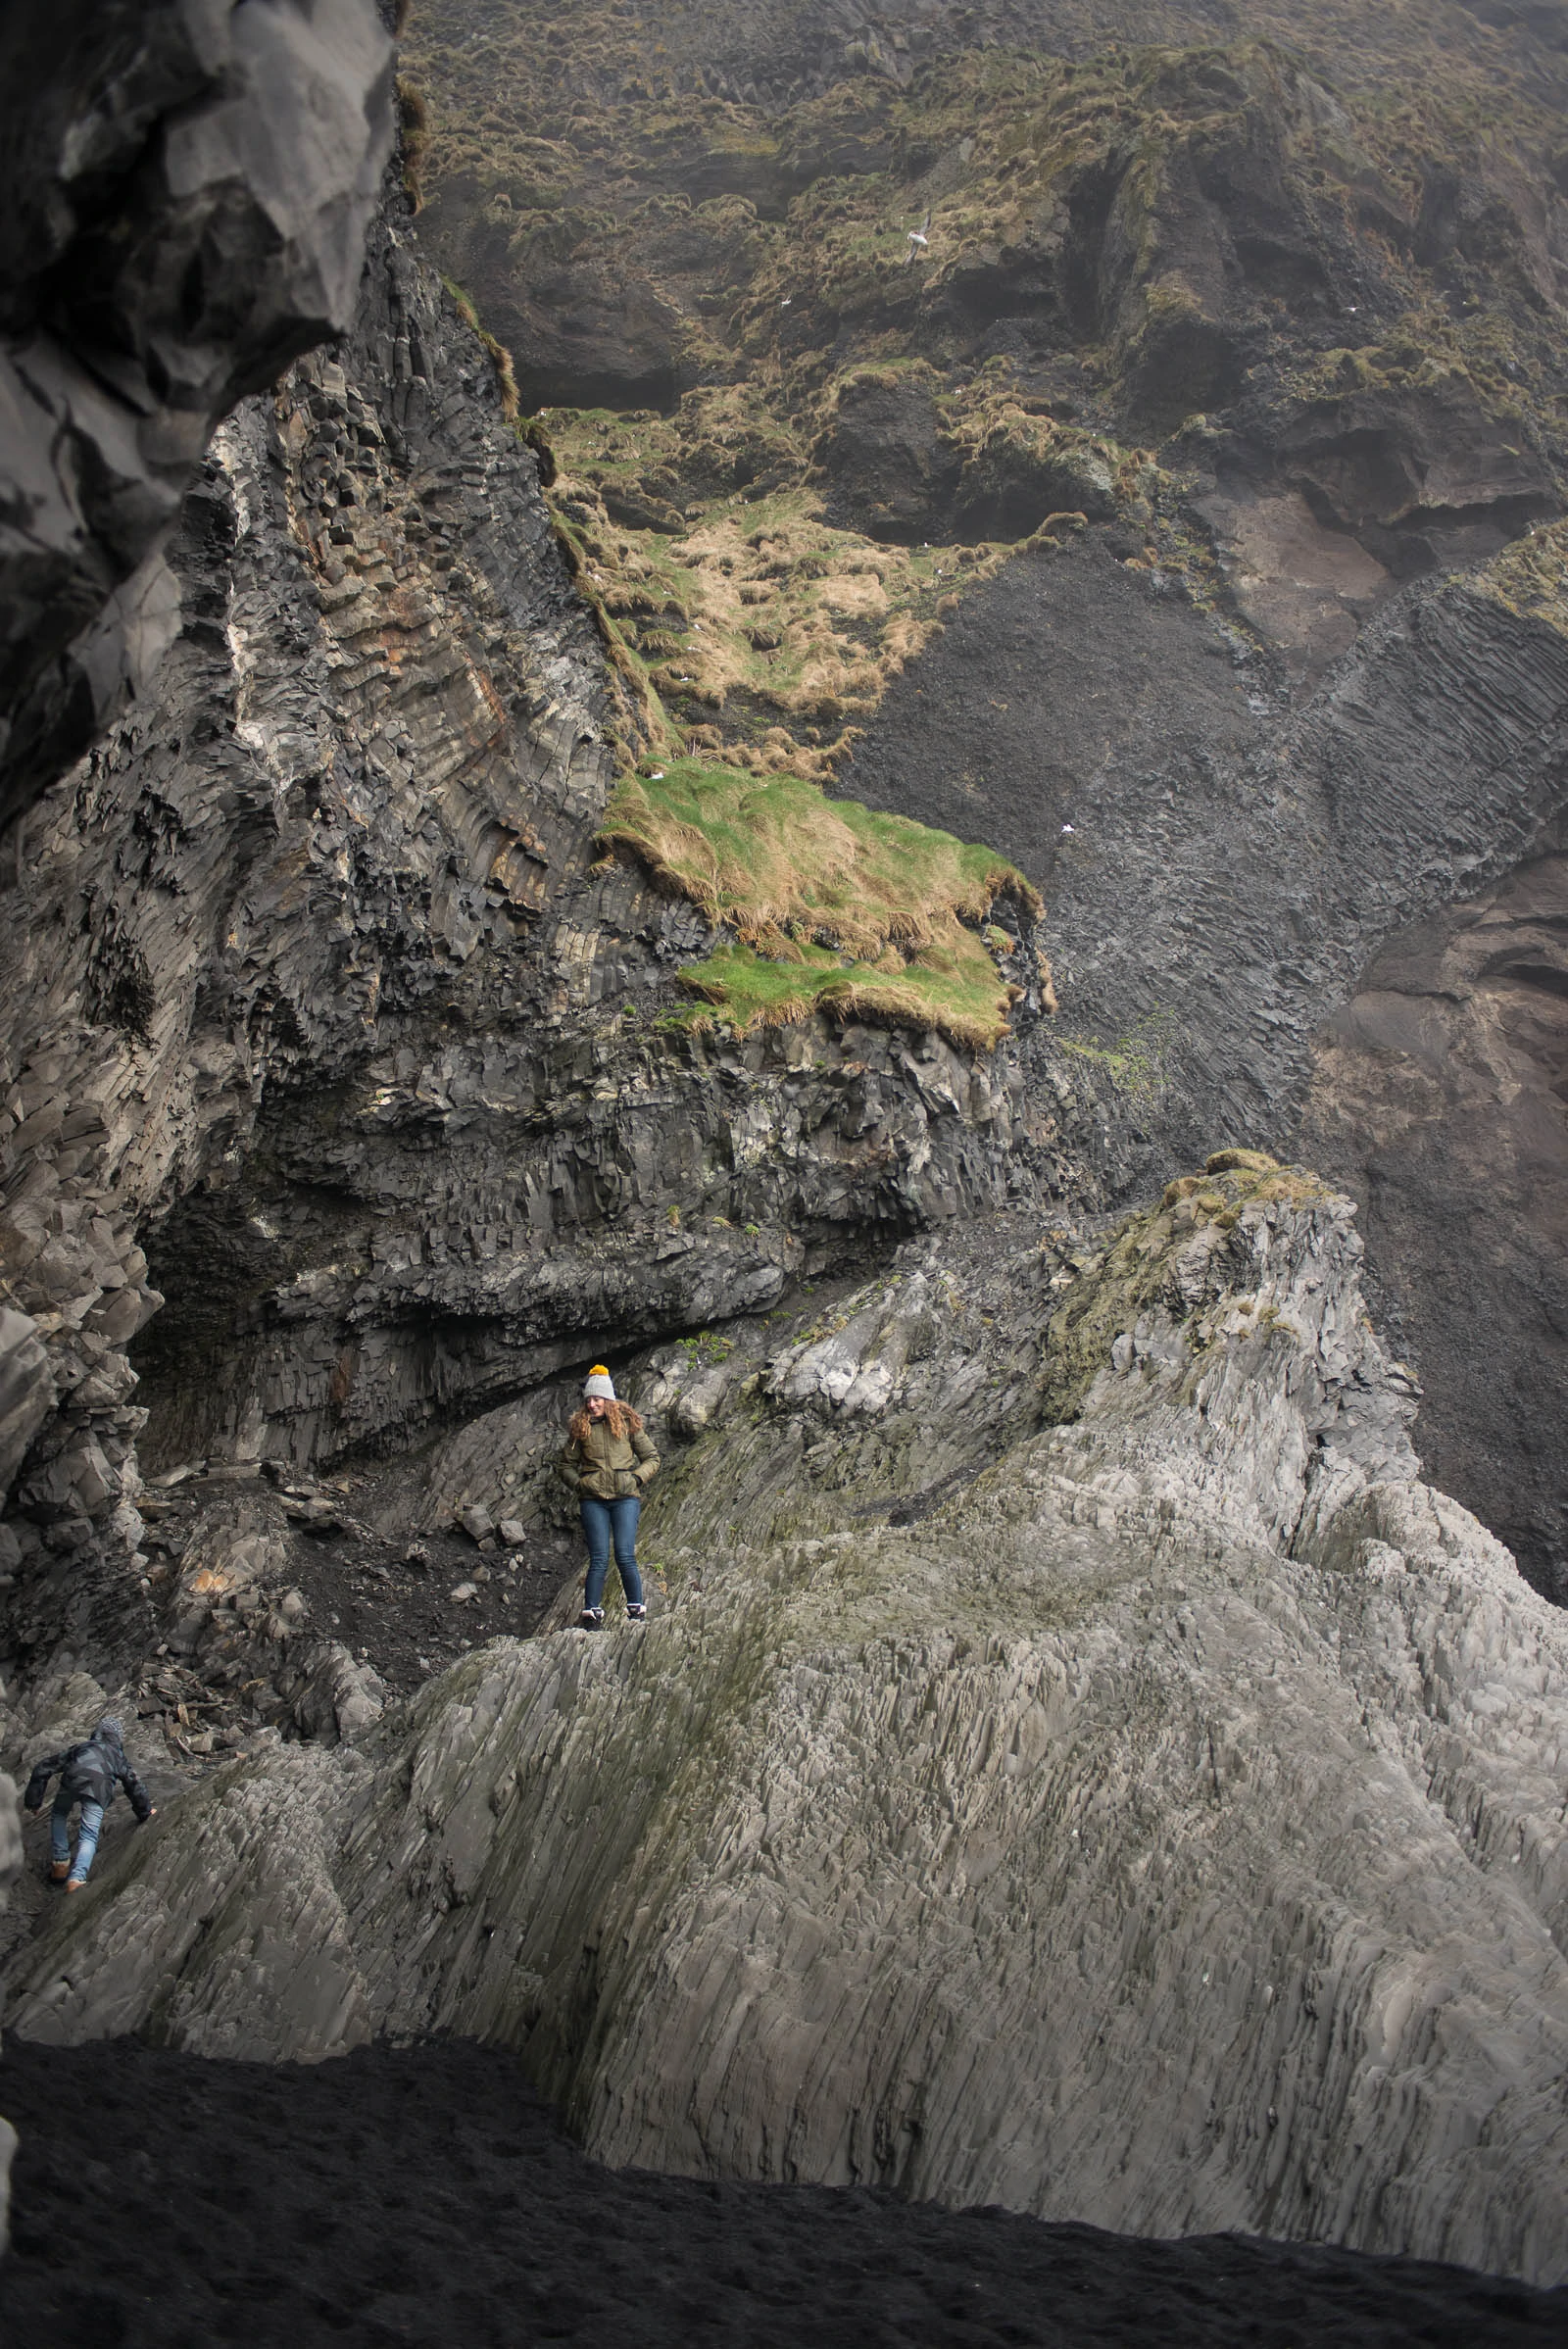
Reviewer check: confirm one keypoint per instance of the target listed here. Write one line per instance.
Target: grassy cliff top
(819, 328)
(832, 905)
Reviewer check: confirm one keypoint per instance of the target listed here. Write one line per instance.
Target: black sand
(425, 2195)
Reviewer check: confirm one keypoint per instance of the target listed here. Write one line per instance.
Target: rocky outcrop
(1223, 873)
(10, 1864)
(326, 919)
(1163, 1829)
(1073, 1760)
(1242, 389)
(186, 190)
(189, 189)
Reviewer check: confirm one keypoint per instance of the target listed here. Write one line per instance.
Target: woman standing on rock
(608, 1460)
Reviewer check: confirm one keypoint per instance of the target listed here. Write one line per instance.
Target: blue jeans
(92, 1820)
(600, 1520)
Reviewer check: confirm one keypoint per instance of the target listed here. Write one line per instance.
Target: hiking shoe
(592, 1619)
(59, 1870)
(637, 1614)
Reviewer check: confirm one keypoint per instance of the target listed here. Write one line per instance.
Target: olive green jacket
(601, 1466)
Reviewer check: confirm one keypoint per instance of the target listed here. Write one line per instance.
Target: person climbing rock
(88, 1774)
(608, 1461)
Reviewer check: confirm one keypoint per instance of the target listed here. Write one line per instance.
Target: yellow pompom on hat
(599, 1382)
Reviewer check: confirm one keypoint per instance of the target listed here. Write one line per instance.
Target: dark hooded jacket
(91, 1772)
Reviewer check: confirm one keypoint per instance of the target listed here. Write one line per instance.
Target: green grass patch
(834, 905)
(956, 991)
(778, 861)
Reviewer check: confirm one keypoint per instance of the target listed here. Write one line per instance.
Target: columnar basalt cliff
(519, 899)
(186, 190)
(323, 986)
(1201, 369)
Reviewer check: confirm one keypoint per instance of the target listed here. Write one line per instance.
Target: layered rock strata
(1253, 352)
(320, 987)
(1338, 925)
(186, 190)
(1165, 1829)
(1074, 1760)
(1438, 1096)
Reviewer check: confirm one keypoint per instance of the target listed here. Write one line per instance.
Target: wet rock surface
(401, 2147)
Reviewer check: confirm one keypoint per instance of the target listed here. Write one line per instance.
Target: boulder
(332, 1696)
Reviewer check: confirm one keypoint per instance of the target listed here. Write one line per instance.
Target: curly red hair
(619, 1418)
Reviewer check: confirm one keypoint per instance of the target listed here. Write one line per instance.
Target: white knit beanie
(599, 1382)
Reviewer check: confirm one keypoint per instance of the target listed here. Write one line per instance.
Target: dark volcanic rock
(890, 470)
(328, 1029)
(186, 190)
(1438, 1097)
(1218, 876)
(320, 995)
(1060, 1698)
(1047, 687)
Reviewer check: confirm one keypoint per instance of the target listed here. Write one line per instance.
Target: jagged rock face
(1223, 873)
(187, 190)
(1239, 719)
(1165, 1830)
(1073, 1760)
(319, 986)
(10, 1865)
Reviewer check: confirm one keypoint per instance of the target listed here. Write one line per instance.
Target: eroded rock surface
(1438, 1096)
(189, 189)
(10, 1865)
(1166, 1827)
(325, 922)
(1073, 1759)
(1252, 360)
(1223, 873)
